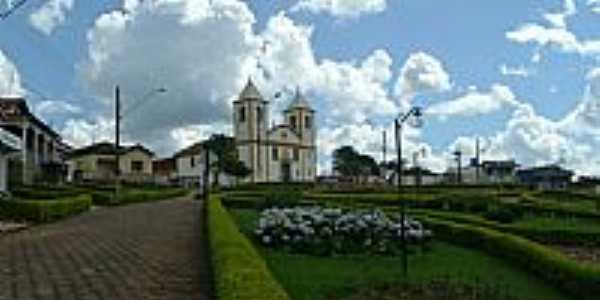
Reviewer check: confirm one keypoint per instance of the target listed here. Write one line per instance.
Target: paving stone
(143, 251)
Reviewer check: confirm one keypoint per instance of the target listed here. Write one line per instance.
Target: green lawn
(314, 278)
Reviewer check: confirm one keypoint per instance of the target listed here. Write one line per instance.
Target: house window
(275, 153)
(137, 166)
(308, 122)
(242, 114)
(296, 154)
(192, 162)
(293, 122)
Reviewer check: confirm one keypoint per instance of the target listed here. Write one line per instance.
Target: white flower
(266, 239)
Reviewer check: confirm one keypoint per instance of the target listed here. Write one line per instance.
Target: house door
(286, 172)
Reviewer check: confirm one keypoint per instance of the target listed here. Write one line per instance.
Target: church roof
(250, 91)
(299, 102)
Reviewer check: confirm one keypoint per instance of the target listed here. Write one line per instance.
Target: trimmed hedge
(240, 272)
(33, 193)
(128, 196)
(581, 280)
(44, 210)
(546, 236)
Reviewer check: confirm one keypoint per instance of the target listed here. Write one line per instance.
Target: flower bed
(326, 231)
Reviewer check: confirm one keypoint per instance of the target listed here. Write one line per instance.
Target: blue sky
(517, 90)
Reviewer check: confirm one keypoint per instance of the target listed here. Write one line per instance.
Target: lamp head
(417, 117)
(418, 112)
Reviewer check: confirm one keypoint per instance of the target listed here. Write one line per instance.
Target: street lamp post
(118, 117)
(398, 123)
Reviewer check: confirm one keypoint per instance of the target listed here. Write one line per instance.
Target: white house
(283, 153)
(97, 162)
(41, 145)
(9, 145)
(416, 176)
(190, 165)
(489, 172)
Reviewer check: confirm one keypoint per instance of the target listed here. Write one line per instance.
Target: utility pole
(117, 139)
(384, 146)
(477, 160)
(398, 134)
(458, 155)
(206, 175)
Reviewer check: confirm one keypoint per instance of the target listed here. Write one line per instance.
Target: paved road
(143, 251)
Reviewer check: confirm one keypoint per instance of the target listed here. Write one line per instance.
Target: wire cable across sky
(8, 7)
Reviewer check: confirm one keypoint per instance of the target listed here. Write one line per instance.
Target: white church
(283, 153)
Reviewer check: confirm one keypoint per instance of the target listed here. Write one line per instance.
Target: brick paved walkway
(143, 251)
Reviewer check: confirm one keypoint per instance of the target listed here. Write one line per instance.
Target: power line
(11, 8)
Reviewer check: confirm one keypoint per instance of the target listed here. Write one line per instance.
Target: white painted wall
(189, 175)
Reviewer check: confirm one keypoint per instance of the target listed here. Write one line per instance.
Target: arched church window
(293, 122)
(308, 122)
(242, 114)
(275, 153)
(259, 114)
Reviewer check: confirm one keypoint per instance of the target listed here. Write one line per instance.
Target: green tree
(350, 163)
(227, 157)
(236, 168)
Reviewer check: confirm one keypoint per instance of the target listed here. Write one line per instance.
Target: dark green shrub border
(581, 280)
(47, 193)
(240, 272)
(547, 236)
(44, 210)
(128, 196)
(301, 186)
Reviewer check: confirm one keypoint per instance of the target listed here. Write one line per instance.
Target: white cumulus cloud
(10, 80)
(212, 48)
(421, 73)
(51, 14)
(476, 102)
(557, 35)
(520, 71)
(342, 8)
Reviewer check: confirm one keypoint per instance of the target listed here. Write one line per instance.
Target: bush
(480, 207)
(542, 235)
(502, 215)
(44, 210)
(466, 201)
(129, 196)
(283, 197)
(582, 280)
(240, 272)
(32, 193)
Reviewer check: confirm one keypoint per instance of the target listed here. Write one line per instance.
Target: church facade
(283, 153)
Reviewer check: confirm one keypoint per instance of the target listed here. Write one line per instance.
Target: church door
(286, 172)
